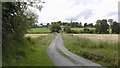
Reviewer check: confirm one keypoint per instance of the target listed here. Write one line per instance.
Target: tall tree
(48, 25)
(80, 25)
(90, 25)
(97, 28)
(110, 22)
(102, 26)
(85, 24)
(115, 27)
(55, 27)
(67, 29)
(16, 19)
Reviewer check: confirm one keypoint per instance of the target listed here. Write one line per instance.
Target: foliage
(102, 26)
(29, 52)
(55, 27)
(110, 21)
(15, 21)
(67, 29)
(115, 27)
(83, 30)
(85, 24)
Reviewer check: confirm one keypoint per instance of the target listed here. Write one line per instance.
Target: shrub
(55, 27)
(74, 31)
(67, 29)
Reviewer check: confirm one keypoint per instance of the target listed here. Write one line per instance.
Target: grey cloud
(85, 14)
(84, 2)
(71, 18)
(112, 14)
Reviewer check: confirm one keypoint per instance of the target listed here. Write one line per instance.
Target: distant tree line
(74, 24)
(103, 26)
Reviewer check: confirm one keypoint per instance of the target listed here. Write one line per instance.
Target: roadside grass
(29, 52)
(99, 37)
(104, 53)
(39, 30)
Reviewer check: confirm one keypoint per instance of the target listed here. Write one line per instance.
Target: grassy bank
(28, 52)
(39, 30)
(81, 29)
(104, 53)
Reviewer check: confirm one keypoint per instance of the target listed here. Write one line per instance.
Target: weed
(101, 52)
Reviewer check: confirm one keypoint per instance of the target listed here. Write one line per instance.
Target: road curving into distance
(70, 59)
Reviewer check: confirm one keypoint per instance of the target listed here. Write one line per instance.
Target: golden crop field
(99, 37)
(36, 35)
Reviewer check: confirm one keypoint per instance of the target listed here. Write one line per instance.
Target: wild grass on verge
(104, 53)
(80, 29)
(39, 30)
(29, 52)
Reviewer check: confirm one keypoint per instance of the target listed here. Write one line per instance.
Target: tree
(67, 29)
(102, 26)
(41, 24)
(80, 25)
(48, 25)
(90, 25)
(110, 22)
(85, 24)
(115, 27)
(97, 28)
(16, 19)
(55, 27)
(59, 22)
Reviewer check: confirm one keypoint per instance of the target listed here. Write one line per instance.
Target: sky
(85, 11)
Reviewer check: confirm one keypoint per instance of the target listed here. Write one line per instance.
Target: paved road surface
(73, 60)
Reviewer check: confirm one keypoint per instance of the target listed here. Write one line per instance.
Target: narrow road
(71, 59)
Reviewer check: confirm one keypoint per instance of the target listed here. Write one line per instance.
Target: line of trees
(75, 24)
(103, 26)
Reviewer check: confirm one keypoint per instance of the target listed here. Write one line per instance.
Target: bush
(55, 27)
(86, 30)
(67, 29)
(74, 31)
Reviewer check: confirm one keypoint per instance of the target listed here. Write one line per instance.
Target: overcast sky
(85, 11)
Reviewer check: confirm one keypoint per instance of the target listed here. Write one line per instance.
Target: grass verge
(39, 30)
(29, 52)
(81, 29)
(104, 53)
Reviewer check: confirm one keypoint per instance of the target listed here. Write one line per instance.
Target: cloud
(112, 14)
(85, 14)
(78, 10)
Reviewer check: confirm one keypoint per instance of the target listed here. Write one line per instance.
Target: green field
(30, 52)
(39, 30)
(104, 53)
(81, 29)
